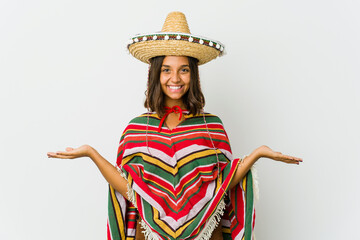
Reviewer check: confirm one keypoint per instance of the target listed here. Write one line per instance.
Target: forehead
(176, 60)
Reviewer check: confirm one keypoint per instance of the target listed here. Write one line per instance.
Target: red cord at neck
(174, 109)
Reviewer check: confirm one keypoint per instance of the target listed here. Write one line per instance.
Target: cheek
(187, 82)
(161, 79)
(164, 79)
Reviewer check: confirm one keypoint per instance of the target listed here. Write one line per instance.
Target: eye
(165, 70)
(185, 70)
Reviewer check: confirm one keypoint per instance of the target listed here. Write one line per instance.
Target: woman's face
(175, 78)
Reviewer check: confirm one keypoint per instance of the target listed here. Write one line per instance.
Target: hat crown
(176, 22)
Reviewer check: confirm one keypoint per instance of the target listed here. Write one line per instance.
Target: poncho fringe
(205, 234)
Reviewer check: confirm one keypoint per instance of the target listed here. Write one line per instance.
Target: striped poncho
(174, 183)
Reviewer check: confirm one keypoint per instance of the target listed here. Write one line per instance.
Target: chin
(174, 97)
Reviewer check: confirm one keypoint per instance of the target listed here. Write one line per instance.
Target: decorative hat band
(177, 36)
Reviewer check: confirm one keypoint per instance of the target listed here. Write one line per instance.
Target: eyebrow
(169, 66)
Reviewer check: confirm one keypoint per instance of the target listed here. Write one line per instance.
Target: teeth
(174, 87)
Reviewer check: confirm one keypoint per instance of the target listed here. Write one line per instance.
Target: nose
(175, 77)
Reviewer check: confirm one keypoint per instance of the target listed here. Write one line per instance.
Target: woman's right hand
(70, 153)
(265, 151)
(110, 172)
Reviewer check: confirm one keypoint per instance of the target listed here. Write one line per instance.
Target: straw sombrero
(174, 39)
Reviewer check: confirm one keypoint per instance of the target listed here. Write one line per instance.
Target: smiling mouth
(175, 87)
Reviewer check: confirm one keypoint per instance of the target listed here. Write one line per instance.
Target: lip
(175, 88)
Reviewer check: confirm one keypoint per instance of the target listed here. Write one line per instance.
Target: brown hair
(193, 99)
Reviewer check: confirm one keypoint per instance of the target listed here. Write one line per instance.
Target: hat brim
(145, 50)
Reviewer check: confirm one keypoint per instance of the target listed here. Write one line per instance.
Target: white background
(290, 81)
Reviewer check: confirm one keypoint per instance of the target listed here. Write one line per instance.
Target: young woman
(175, 174)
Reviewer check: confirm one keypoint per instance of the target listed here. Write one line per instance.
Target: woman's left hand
(265, 151)
(71, 153)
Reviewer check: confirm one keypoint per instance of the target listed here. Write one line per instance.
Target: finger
(64, 157)
(62, 153)
(291, 162)
(297, 159)
(54, 155)
(68, 149)
(50, 153)
(291, 158)
(294, 161)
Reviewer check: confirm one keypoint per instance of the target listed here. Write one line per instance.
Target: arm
(263, 151)
(109, 171)
(243, 168)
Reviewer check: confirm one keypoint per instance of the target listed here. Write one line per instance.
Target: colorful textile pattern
(174, 183)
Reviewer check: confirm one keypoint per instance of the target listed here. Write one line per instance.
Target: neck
(174, 102)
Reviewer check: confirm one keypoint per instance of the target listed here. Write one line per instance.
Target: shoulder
(142, 123)
(143, 118)
(215, 124)
(139, 124)
(210, 118)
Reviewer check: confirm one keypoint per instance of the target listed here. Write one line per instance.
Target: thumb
(68, 149)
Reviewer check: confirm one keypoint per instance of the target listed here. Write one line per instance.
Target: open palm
(267, 152)
(70, 153)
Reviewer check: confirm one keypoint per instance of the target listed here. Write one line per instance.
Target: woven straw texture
(146, 50)
(175, 22)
